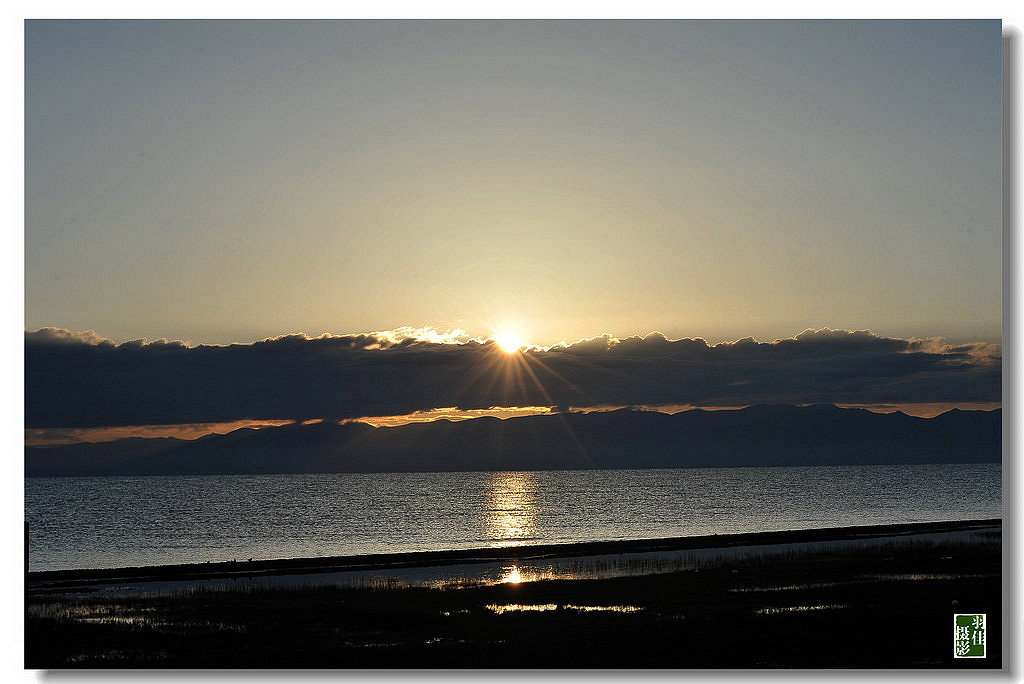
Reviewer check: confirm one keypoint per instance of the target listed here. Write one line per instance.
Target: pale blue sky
(228, 181)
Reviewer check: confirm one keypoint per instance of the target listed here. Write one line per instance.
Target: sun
(509, 341)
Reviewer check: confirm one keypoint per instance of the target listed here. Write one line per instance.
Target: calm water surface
(106, 522)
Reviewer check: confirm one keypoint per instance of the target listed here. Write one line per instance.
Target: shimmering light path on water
(115, 522)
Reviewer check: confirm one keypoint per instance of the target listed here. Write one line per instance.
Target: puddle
(800, 609)
(919, 576)
(784, 587)
(117, 654)
(124, 615)
(541, 607)
(611, 609)
(516, 608)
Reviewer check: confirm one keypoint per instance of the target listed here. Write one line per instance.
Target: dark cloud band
(82, 380)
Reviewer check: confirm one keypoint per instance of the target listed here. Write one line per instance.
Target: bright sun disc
(508, 341)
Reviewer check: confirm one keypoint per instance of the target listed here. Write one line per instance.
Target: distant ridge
(764, 435)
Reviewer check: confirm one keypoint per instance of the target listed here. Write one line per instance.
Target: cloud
(83, 380)
(54, 336)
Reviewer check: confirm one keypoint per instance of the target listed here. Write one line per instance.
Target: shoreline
(421, 559)
(790, 604)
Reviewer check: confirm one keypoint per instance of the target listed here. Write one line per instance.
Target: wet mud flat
(886, 605)
(335, 569)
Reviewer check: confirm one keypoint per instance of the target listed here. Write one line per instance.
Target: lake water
(107, 522)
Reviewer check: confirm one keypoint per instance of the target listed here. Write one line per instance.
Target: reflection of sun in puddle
(516, 608)
(799, 609)
(541, 607)
(784, 587)
(120, 614)
(862, 579)
(920, 576)
(608, 609)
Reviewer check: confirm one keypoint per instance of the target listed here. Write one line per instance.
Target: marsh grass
(689, 561)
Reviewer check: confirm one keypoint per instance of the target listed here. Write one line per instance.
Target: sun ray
(543, 365)
(480, 370)
(561, 417)
(571, 358)
(501, 375)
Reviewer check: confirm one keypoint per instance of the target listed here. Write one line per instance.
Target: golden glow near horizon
(452, 413)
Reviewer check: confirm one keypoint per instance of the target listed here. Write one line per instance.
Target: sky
(784, 178)
(219, 182)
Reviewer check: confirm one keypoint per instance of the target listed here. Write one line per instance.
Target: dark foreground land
(889, 605)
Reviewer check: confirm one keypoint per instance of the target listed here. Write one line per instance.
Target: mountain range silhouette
(763, 435)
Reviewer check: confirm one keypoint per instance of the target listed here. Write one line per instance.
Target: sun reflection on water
(512, 576)
(511, 511)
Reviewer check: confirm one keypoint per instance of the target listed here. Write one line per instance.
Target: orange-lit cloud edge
(456, 336)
